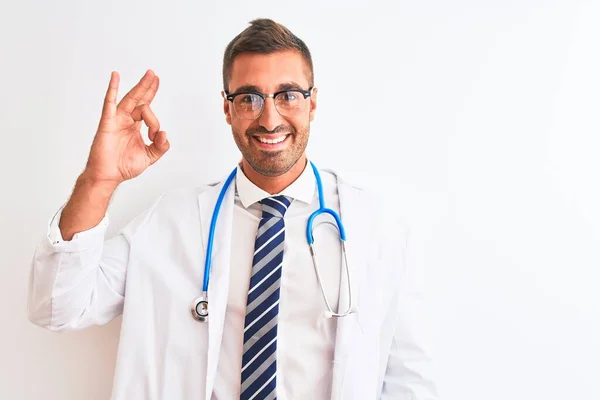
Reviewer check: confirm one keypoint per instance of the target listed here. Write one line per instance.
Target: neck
(274, 184)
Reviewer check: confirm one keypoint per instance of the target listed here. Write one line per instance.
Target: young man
(271, 323)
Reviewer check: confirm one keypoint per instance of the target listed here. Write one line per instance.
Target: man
(271, 330)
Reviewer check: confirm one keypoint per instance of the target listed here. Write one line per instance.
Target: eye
(289, 96)
(247, 98)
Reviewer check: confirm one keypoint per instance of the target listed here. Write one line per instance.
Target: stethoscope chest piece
(199, 309)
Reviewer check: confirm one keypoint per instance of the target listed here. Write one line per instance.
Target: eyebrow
(288, 86)
(282, 86)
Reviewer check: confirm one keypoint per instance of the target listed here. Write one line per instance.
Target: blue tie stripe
(275, 205)
(259, 362)
(265, 292)
(267, 265)
(260, 310)
(268, 255)
(260, 275)
(258, 345)
(263, 394)
(248, 335)
(265, 312)
(281, 199)
(277, 200)
(262, 357)
(278, 226)
(267, 377)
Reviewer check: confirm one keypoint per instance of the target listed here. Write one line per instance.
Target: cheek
(299, 124)
(240, 126)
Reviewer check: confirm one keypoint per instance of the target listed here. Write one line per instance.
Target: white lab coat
(380, 353)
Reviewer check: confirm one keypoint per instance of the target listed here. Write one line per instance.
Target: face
(272, 143)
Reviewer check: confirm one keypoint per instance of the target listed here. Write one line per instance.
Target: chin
(272, 167)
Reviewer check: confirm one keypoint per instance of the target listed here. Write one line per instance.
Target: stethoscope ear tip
(327, 314)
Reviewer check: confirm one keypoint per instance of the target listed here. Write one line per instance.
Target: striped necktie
(259, 362)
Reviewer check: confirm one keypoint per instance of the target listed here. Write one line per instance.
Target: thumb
(159, 146)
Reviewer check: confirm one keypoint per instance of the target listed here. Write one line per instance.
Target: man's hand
(118, 152)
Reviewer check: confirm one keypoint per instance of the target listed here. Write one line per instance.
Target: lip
(269, 146)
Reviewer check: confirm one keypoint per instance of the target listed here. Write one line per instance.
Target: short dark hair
(264, 36)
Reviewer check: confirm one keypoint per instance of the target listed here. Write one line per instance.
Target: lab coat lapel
(354, 215)
(218, 288)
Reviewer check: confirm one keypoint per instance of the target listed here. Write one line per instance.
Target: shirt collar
(303, 188)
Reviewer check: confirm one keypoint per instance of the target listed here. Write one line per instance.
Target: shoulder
(333, 178)
(387, 209)
(379, 201)
(186, 197)
(170, 206)
(179, 198)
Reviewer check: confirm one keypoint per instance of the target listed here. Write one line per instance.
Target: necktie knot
(275, 207)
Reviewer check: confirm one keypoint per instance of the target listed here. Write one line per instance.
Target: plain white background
(479, 118)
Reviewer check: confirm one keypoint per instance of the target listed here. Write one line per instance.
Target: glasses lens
(248, 105)
(290, 103)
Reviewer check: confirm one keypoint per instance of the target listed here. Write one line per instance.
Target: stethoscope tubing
(199, 307)
(213, 226)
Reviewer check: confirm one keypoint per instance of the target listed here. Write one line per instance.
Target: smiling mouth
(271, 140)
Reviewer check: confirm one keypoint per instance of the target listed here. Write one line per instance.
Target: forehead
(268, 71)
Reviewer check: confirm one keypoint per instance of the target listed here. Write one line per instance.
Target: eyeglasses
(250, 105)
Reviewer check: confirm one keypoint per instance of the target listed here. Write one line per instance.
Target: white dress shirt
(305, 339)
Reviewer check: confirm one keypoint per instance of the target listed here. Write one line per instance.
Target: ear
(226, 108)
(313, 104)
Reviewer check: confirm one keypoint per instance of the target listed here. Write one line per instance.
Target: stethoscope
(199, 307)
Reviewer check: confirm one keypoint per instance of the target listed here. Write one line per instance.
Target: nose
(270, 117)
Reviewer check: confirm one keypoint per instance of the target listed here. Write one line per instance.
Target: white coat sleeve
(78, 283)
(409, 373)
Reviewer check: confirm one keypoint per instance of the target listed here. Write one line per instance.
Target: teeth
(272, 141)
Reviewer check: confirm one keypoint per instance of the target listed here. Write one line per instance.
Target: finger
(159, 147)
(132, 98)
(144, 113)
(151, 92)
(110, 100)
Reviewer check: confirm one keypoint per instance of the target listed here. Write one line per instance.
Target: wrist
(104, 186)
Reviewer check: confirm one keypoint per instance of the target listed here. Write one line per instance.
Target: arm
(77, 279)
(87, 206)
(80, 281)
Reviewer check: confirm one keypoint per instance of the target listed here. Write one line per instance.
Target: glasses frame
(264, 96)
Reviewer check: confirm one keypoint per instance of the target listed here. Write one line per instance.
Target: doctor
(245, 311)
